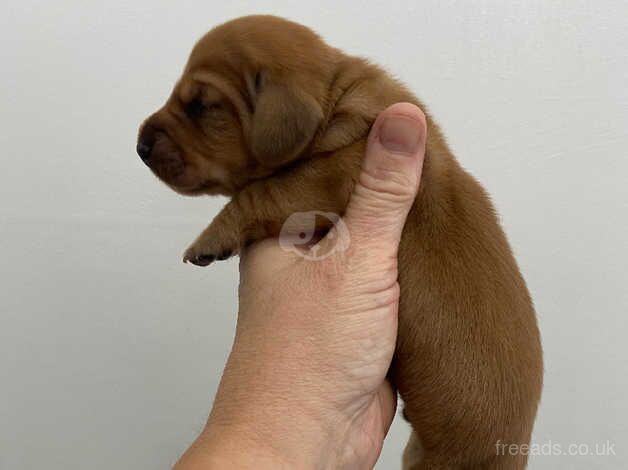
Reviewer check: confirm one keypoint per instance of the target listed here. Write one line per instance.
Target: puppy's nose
(144, 150)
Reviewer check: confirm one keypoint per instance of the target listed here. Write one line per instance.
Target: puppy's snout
(161, 154)
(146, 142)
(144, 149)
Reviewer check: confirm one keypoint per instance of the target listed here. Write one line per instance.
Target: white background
(111, 349)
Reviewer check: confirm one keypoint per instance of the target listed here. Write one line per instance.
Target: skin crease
(304, 386)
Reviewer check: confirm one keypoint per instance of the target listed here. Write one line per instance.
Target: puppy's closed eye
(196, 109)
(257, 83)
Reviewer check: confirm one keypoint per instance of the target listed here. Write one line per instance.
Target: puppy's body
(270, 115)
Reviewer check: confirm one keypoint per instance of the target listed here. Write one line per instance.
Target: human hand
(305, 384)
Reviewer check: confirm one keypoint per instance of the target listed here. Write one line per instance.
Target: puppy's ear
(284, 122)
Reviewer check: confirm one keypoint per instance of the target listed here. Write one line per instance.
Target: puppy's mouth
(208, 187)
(166, 160)
(184, 179)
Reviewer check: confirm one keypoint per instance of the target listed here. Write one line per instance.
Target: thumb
(389, 180)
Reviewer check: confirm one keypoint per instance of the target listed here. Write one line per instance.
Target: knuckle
(387, 183)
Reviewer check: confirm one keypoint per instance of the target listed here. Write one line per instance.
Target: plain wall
(111, 349)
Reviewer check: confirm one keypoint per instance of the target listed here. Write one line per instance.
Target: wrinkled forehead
(211, 83)
(216, 62)
(186, 89)
(207, 83)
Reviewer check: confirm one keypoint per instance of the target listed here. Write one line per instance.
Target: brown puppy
(270, 115)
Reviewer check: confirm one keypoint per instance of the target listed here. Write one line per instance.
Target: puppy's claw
(204, 254)
(200, 260)
(204, 260)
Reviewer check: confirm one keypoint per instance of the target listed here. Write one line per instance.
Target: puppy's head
(251, 99)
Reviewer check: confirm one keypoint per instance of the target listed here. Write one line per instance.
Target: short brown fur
(269, 114)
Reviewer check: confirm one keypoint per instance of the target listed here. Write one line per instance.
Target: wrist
(235, 447)
(271, 437)
(273, 415)
(217, 449)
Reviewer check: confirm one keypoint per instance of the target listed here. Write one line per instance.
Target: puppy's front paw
(204, 253)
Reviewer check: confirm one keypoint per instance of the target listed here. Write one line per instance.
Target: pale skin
(305, 384)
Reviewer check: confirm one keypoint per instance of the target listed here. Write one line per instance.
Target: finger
(389, 180)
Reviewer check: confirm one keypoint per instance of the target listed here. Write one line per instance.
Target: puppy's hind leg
(433, 462)
(413, 453)
(429, 463)
(415, 458)
(504, 462)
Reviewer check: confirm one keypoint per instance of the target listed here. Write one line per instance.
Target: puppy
(273, 117)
